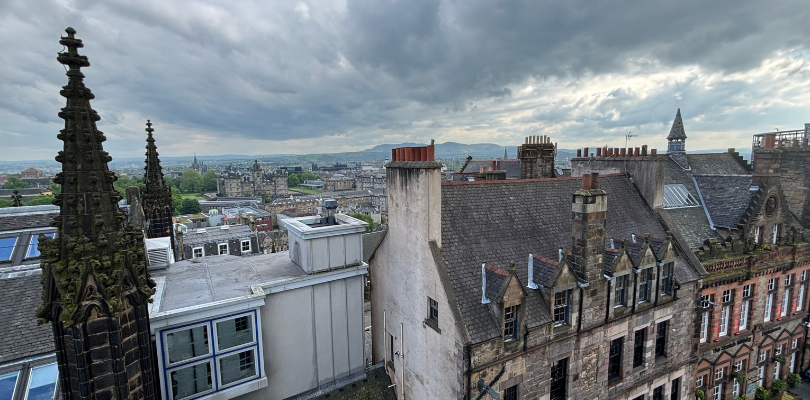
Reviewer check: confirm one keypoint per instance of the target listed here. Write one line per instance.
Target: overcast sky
(271, 77)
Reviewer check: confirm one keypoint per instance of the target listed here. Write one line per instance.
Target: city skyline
(326, 77)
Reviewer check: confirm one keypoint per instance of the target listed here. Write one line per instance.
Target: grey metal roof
(20, 336)
(13, 218)
(499, 222)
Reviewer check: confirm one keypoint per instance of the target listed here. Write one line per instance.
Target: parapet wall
(646, 169)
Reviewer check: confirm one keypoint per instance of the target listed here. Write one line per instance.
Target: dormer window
(510, 322)
(644, 279)
(621, 291)
(666, 279)
(562, 302)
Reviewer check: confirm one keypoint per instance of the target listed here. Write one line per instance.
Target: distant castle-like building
(257, 183)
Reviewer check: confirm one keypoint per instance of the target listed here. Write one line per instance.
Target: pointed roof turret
(94, 278)
(156, 198)
(677, 131)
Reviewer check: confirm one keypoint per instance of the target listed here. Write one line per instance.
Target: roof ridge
(496, 270)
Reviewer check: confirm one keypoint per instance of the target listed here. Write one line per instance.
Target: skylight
(7, 248)
(677, 196)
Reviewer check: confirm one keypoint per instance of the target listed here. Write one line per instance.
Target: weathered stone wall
(587, 353)
(647, 173)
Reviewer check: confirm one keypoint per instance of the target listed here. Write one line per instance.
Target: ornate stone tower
(677, 136)
(95, 285)
(157, 196)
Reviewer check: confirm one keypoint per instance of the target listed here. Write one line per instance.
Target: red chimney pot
(594, 180)
(586, 181)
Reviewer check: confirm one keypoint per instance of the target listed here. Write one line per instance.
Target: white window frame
(738, 366)
(728, 295)
(230, 353)
(778, 350)
(795, 343)
(165, 338)
(776, 368)
(704, 327)
(736, 389)
(763, 355)
(804, 275)
(800, 299)
(756, 235)
(788, 279)
(719, 373)
(219, 249)
(169, 371)
(775, 233)
(785, 303)
(232, 317)
(744, 314)
(194, 250)
(768, 307)
(718, 391)
(761, 374)
(724, 315)
(699, 381)
(30, 380)
(242, 246)
(747, 290)
(792, 363)
(772, 283)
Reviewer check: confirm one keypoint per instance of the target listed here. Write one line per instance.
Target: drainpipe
(402, 356)
(607, 301)
(469, 369)
(657, 280)
(579, 315)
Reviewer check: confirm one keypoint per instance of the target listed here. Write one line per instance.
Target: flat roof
(209, 279)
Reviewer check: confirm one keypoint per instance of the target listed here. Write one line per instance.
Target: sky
(280, 77)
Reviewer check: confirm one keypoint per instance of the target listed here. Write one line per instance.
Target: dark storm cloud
(362, 70)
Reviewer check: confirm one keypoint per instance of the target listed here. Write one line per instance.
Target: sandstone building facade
(747, 225)
(258, 183)
(564, 288)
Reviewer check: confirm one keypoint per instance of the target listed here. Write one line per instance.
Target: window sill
(614, 381)
(431, 323)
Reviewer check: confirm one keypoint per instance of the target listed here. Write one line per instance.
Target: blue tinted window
(33, 247)
(42, 384)
(7, 248)
(7, 384)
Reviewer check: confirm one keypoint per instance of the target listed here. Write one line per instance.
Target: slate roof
(216, 234)
(13, 218)
(20, 336)
(512, 167)
(543, 270)
(495, 280)
(371, 241)
(723, 184)
(677, 132)
(726, 197)
(498, 222)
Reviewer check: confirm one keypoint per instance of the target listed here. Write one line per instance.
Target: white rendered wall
(404, 275)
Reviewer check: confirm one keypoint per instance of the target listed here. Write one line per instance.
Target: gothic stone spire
(677, 132)
(95, 285)
(157, 196)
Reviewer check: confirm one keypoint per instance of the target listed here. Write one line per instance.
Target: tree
(190, 206)
(191, 181)
(16, 183)
(40, 201)
(365, 218)
(794, 380)
(177, 200)
(209, 181)
(778, 386)
(308, 176)
(293, 180)
(123, 182)
(6, 203)
(55, 187)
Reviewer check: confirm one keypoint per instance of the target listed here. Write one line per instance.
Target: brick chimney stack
(536, 156)
(766, 160)
(588, 211)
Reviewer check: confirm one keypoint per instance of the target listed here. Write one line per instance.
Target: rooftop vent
(329, 206)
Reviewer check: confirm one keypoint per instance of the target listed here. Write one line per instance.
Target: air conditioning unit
(159, 253)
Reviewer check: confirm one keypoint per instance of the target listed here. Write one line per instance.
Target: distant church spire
(156, 199)
(677, 136)
(95, 284)
(504, 154)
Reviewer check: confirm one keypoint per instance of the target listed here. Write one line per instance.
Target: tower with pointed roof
(95, 284)
(677, 137)
(156, 199)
